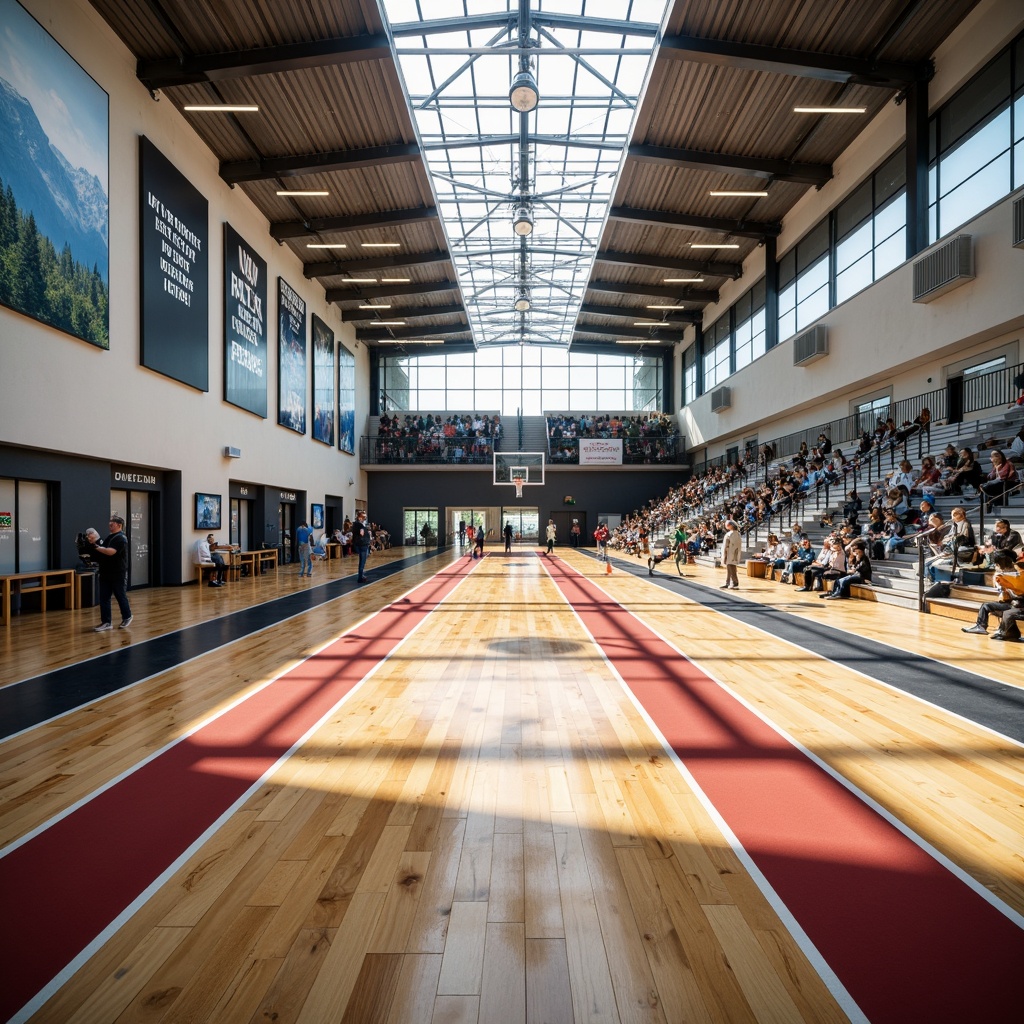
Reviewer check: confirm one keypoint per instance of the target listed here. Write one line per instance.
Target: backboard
(526, 467)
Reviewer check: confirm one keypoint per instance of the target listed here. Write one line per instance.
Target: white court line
(64, 975)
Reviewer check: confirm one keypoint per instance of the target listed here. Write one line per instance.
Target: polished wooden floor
(488, 830)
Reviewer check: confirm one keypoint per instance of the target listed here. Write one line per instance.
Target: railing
(636, 451)
(425, 451)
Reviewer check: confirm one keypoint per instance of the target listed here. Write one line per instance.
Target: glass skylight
(590, 59)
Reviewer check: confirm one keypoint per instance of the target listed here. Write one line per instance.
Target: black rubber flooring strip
(40, 698)
(974, 696)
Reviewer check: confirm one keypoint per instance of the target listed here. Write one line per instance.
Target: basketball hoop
(518, 481)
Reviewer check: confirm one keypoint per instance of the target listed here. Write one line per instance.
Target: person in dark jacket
(858, 571)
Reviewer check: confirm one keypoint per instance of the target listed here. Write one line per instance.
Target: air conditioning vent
(721, 399)
(1018, 223)
(944, 268)
(810, 346)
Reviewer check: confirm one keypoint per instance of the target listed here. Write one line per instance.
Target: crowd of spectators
(459, 438)
(646, 438)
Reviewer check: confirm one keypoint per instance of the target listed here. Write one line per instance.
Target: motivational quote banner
(245, 324)
(174, 271)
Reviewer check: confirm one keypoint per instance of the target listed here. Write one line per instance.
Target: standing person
(362, 538)
(574, 533)
(462, 533)
(601, 536)
(732, 550)
(551, 533)
(112, 556)
(508, 537)
(478, 551)
(681, 540)
(304, 539)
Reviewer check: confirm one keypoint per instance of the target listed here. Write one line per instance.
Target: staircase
(535, 436)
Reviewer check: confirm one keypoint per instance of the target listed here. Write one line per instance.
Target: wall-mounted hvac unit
(944, 268)
(810, 346)
(1018, 223)
(721, 399)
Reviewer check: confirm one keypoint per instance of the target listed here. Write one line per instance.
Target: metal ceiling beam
(479, 141)
(656, 291)
(386, 291)
(827, 67)
(664, 219)
(677, 317)
(628, 332)
(399, 333)
(712, 269)
(334, 268)
(234, 171)
(396, 313)
(218, 67)
(280, 230)
(584, 23)
(777, 170)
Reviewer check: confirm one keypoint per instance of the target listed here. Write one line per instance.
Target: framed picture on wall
(207, 511)
(317, 519)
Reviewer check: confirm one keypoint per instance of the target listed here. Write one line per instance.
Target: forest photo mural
(54, 208)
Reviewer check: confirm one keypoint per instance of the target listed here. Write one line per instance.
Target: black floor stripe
(976, 697)
(27, 703)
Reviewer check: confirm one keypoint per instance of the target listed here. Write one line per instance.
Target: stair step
(951, 608)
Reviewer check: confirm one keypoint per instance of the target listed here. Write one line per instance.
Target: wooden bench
(333, 550)
(42, 582)
(259, 560)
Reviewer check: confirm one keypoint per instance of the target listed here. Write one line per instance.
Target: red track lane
(63, 887)
(908, 939)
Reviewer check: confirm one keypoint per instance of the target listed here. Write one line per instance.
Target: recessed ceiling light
(395, 280)
(683, 280)
(381, 245)
(714, 245)
(830, 110)
(326, 245)
(737, 192)
(303, 192)
(389, 323)
(388, 306)
(223, 108)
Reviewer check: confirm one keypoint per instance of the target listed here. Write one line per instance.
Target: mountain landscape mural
(54, 253)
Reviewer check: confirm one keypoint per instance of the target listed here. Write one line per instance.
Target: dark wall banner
(175, 271)
(291, 355)
(245, 325)
(323, 382)
(346, 400)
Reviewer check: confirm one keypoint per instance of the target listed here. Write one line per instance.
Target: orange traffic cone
(608, 568)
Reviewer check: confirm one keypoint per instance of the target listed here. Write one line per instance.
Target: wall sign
(174, 271)
(245, 325)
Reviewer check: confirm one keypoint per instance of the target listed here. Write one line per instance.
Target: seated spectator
(929, 479)
(858, 571)
(902, 477)
(204, 551)
(320, 548)
(1005, 594)
(1002, 539)
(897, 500)
(966, 472)
(830, 564)
(921, 422)
(852, 508)
(959, 536)
(1001, 478)
(894, 531)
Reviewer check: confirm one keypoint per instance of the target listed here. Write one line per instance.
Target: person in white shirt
(205, 551)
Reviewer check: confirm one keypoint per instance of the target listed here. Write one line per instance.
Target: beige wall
(62, 394)
(879, 337)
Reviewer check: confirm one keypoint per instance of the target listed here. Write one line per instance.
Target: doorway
(285, 530)
(525, 523)
(136, 509)
(239, 523)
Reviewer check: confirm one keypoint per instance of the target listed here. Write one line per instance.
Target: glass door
(136, 509)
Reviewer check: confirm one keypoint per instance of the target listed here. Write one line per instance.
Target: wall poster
(323, 382)
(346, 400)
(245, 325)
(174, 271)
(291, 358)
(54, 182)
